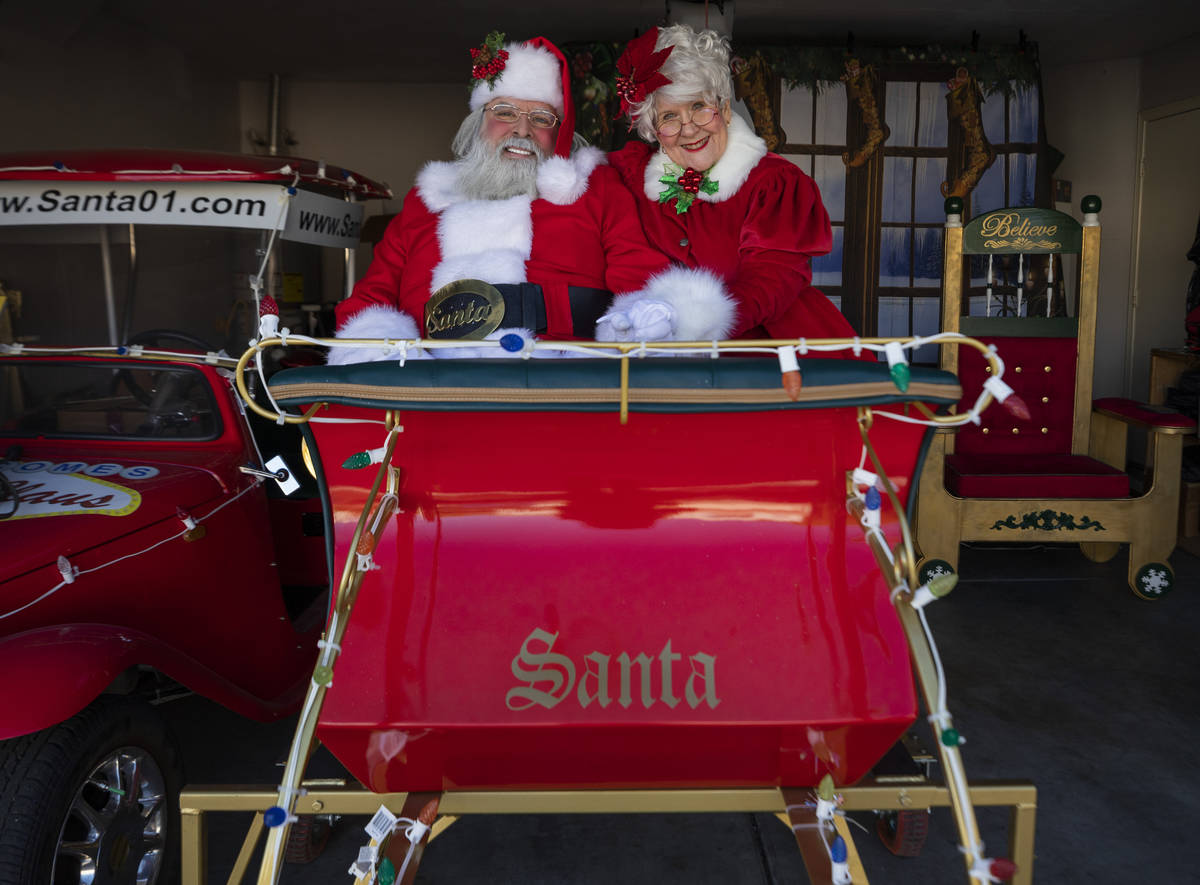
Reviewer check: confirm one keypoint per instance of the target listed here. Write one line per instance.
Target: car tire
(307, 839)
(92, 799)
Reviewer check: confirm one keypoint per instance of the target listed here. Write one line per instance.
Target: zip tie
(416, 830)
(325, 643)
(803, 347)
(826, 809)
(996, 387)
(716, 351)
(940, 718)
(862, 477)
(69, 572)
(857, 346)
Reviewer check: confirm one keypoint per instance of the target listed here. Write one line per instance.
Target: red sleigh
(660, 586)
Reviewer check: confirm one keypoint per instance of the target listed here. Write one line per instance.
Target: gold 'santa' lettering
(549, 677)
(441, 320)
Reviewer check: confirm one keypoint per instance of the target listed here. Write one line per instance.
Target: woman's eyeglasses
(700, 117)
(538, 118)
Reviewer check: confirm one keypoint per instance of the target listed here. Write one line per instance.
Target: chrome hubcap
(115, 829)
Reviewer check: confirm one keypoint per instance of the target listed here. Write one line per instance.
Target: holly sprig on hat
(488, 59)
(683, 185)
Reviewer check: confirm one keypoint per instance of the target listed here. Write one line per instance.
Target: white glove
(645, 320)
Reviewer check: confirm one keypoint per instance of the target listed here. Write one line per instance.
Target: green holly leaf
(708, 186)
(684, 202)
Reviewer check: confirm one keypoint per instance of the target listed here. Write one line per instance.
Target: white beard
(485, 173)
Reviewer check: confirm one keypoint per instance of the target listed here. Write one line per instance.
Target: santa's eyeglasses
(673, 126)
(538, 118)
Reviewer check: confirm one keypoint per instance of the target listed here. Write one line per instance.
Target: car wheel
(94, 799)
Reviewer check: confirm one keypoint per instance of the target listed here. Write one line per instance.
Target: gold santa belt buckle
(469, 309)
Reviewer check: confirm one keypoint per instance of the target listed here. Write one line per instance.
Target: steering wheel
(162, 400)
(149, 338)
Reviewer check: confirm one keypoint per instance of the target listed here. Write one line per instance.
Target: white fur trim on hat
(704, 310)
(530, 73)
(376, 321)
(563, 180)
(743, 151)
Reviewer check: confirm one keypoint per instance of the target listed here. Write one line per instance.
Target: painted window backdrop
(885, 268)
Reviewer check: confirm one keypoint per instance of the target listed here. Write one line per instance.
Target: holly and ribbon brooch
(683, 185)
(638, 69)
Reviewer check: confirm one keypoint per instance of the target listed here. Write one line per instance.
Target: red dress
(759, 233)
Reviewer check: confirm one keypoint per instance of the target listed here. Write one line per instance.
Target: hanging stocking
(962, 107)
(751, 77)
(860, 87)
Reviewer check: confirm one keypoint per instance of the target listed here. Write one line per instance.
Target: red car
(144, 537)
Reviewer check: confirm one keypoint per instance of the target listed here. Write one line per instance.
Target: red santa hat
(531, 71)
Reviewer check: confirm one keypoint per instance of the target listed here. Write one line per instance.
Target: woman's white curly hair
(698, 67)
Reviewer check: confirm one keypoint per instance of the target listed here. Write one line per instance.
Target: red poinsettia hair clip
(487, 61)
(639, 68)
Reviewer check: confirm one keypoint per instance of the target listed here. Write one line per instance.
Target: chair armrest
(1158, 419)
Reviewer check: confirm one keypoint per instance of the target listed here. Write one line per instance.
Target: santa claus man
(533, 213)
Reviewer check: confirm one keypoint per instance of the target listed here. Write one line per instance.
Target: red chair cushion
(974, 475)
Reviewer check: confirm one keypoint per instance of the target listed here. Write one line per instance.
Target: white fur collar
(743, 152)
(563, 180)
(560, 180)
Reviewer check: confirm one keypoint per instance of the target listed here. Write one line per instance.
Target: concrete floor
(1057, 674)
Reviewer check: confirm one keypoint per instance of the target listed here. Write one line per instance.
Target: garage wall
(1091, 116)
(384, 130)
(100, 83)
(1171, 74)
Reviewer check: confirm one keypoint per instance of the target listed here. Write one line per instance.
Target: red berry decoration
(268, 306)
(690, 181)
(629, 91)
(489, 58)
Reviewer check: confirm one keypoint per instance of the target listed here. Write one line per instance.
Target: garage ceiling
(427, 41)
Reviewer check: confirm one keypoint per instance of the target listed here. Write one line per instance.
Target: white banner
(310, 218)
(326, 221)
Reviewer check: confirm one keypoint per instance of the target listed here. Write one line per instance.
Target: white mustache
(525, 144)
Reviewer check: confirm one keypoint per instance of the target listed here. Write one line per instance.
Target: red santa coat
(583, 230)
(758, 233)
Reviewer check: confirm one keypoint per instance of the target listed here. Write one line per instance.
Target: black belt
(474, 309)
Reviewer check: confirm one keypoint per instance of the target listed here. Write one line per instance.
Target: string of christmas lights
(70, 573)
(790, 369)
(865, 489)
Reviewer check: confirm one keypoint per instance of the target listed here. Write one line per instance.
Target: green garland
(597, 108)
(996, 69)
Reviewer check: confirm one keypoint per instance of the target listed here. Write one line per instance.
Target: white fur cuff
(704, 310)
(376, 321)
